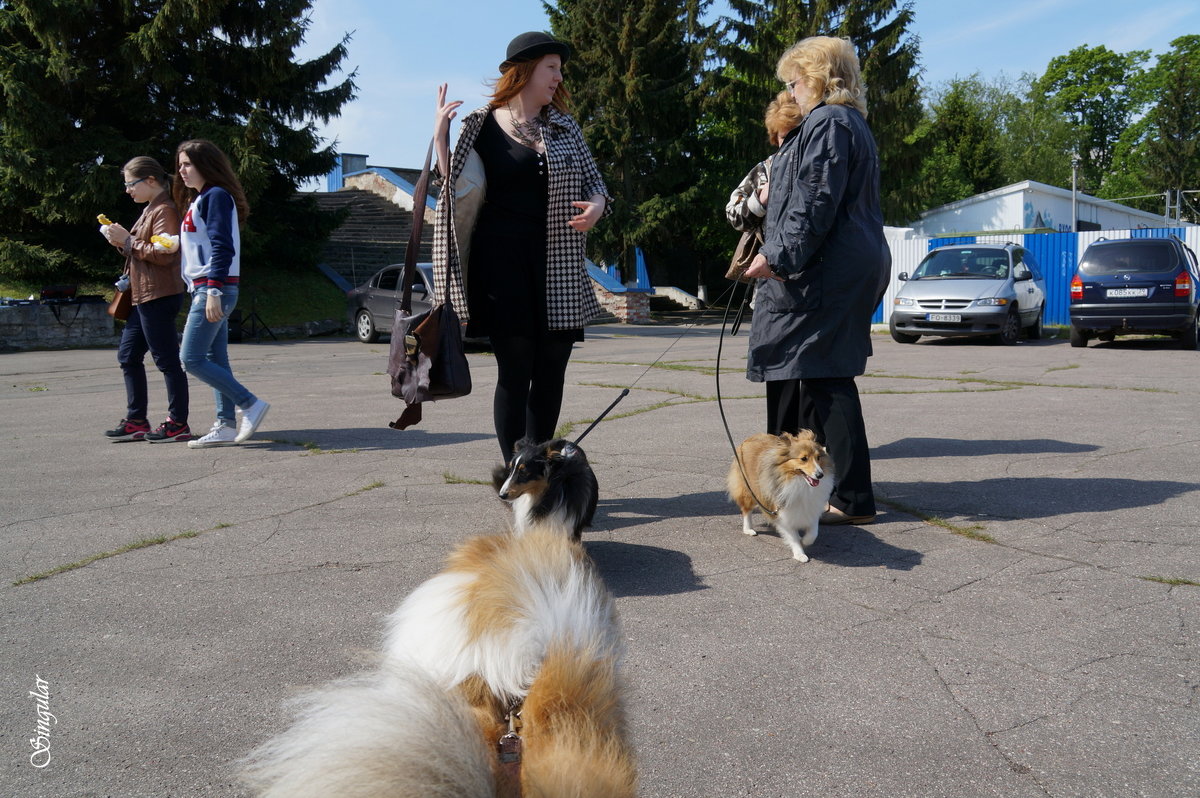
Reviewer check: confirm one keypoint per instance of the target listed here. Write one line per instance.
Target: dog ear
(521, 444)
(805, 435)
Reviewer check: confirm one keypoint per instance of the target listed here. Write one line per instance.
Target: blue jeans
(205, 354)
(151, 328)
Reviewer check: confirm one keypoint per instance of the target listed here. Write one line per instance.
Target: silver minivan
(971, 289)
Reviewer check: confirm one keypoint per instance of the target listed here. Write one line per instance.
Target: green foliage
(635, 92)
(1101, 92)
(87, 86)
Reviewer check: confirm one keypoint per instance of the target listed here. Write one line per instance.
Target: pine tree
(750, 46)
(634, 78)
(86, 85)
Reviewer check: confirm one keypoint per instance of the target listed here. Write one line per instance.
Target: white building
(1033, 207)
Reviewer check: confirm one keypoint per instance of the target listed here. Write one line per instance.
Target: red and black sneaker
(169, 431)
(128, 430)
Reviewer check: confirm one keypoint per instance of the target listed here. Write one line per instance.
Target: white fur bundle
(392, 733)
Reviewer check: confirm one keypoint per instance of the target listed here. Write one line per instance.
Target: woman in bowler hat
(523, 284)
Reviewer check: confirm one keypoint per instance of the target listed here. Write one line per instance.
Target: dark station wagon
(1136, 286)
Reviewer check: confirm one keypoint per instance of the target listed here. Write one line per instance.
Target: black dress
(506, 284)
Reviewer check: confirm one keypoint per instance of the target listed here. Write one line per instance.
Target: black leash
(625, 391)
(737, 458)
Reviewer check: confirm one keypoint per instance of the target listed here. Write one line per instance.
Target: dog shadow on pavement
(630, 569)
(856, 547)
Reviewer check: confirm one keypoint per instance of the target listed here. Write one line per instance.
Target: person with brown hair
(525, 285)
(822, 268)
(747, 204)
(211, 242)
(157, 290)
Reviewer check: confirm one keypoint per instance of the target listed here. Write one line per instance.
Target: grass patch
(455, 479)
(365, 488)
(282, 297)
(973, 532)
(313, 448)
(1164, 580)
(1011, 383)
(86, 561)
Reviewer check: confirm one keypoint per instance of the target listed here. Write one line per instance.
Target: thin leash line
(686, 330)
(737, 458)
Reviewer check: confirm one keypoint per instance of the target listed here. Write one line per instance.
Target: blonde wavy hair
(829, 67)
(781, 116)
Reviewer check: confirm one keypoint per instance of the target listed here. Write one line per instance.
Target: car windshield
(960, 264)
(1126, 257)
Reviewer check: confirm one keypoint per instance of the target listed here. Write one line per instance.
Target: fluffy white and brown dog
(517, 633)
(792, 476)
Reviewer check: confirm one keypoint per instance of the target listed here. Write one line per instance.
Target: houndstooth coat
(570, 300)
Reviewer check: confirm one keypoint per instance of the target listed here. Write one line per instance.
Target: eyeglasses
(134, 183)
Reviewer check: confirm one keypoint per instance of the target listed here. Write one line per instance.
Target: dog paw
(747, 531)
(800, 556)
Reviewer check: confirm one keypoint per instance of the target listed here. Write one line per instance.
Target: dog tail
(574, 728)
(393, 732)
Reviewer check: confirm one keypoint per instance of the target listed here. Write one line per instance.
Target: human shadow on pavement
(957, 447)
(630, 569)
(379, 438)
(615, 513)
(1034, 497)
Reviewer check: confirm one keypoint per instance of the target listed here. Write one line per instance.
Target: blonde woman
(822, 268)
(525, 286)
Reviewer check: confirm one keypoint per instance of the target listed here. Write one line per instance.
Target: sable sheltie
(515, 626)
(792, 475)
(549, 481)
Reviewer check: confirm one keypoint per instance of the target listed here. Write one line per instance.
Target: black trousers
(151, 328)
(831, 409)
(529, 387)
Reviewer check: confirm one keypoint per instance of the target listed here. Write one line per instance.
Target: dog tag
(510, 746)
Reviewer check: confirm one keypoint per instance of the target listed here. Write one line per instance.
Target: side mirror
(1022, 273)
(902, 277)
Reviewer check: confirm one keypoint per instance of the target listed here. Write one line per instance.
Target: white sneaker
(221, 434)
(252, 416)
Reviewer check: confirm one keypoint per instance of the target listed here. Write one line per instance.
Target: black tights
(529, 388)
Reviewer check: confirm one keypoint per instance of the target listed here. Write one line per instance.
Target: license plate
(943, 317)
(1124, 293)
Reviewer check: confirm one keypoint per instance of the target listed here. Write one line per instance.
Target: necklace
(528, 133)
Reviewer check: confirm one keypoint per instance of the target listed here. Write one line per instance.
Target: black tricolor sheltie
(549, 481)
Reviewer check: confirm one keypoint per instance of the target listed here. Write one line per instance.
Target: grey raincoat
(824, 236)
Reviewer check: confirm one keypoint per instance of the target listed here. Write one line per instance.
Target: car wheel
(1190, 339)
(364, 327)
(1034, 331)
(901, 337)
(1010, 333)
(1078, 336)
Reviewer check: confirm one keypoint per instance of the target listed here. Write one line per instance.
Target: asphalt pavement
(1021, 620)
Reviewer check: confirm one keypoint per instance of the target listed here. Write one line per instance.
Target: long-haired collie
(792, 476)
(499, 678)
(548, 482)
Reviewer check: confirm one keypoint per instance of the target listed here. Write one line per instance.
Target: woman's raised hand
(441, 128)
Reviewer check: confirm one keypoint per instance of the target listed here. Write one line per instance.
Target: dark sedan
(371, 307)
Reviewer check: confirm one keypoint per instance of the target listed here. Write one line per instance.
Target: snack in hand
(165, 243)
(102, 219)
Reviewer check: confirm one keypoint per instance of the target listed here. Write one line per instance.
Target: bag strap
(420, 193)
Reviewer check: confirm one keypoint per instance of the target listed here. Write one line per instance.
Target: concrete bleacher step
(372, 236)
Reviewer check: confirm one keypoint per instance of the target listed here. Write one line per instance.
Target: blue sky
(403, 49)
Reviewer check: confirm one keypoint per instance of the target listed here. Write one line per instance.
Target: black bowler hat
(534, 44)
